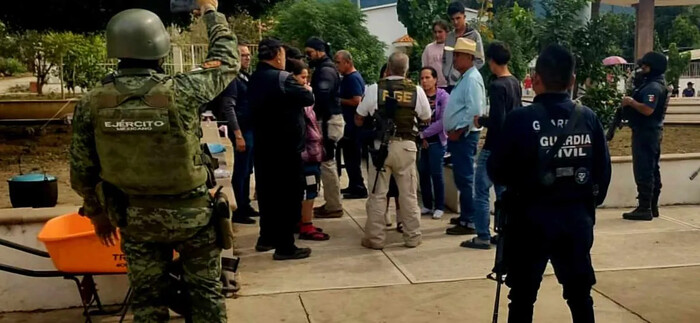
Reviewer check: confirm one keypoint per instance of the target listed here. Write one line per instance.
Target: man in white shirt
(398, 99)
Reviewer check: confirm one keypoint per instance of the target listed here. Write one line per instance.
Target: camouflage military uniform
(152, 226)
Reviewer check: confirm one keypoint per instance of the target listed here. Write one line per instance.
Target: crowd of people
(445, 113)
(321, 107)
(299, 116)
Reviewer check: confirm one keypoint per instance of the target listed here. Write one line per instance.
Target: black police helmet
(656, 61)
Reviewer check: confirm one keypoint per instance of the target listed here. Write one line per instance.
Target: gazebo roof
(404, 39)
(658, 3)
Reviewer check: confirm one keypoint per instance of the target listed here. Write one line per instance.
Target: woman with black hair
(277, 101)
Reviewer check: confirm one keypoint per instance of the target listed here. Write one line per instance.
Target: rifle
(614, 125)
(500, 269)
(385, 128)
(692, 177)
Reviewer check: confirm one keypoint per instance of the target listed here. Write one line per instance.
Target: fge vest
(404, 91)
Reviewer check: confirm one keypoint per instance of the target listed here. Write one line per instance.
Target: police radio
(548, 176)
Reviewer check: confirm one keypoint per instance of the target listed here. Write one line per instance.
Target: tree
(246, 28)
(418, 17)
(91, 16)
(340, 23)
(83, 64)
(590, 45)
(516, 27)
(677, 64)
(560, 20)
(683, 33)
(499, 4)
(623, 26)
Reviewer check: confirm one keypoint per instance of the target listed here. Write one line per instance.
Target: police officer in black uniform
(645, 111)
(551, 203)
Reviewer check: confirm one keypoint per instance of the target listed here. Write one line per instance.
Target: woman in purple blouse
(434, 140)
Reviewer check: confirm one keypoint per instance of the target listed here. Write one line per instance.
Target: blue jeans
(242, 168)
(432, 183)
(463, 154)
(482, 185)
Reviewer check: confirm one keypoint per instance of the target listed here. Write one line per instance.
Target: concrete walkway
(647, 272)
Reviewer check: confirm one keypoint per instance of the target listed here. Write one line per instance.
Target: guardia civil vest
(146, 144)
(404, 91)
(572, 165)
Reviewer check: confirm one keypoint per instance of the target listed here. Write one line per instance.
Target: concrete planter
(20, 293)
(675, 172)
(19, 110)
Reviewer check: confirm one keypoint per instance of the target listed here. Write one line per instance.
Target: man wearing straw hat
(468, 99)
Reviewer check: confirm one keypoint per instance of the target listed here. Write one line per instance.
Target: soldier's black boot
(641, 213)
(655, 206)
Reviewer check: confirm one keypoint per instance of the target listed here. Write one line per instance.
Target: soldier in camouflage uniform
(136, 161)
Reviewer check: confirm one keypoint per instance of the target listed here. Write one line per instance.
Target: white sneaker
(425, 211)
(438, 214)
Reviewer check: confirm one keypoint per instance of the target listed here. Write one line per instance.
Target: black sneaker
(263, 248)
(346, 190)
(476, 243)
(298, 253)
(355, 195)
(454, 221)
(459, 230)
(639, 214)
(253, 213)
(494, 239)
(242, 219)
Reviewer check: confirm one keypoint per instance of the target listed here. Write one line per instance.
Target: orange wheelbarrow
(78, 255)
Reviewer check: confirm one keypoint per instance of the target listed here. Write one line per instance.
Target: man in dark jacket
(550, 198)
(234, 104)
(277, 101)
(325, 82)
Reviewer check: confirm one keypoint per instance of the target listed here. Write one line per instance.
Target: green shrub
(11, 66)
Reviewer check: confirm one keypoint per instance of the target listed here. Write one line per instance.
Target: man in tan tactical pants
(411, 103)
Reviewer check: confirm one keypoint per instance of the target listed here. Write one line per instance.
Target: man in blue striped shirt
(468, 99)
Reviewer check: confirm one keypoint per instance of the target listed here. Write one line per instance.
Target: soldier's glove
(104, 230)
(206, 5)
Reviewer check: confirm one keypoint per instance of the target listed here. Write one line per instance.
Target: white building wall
(383, 22)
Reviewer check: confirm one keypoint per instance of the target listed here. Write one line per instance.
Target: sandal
(314, 235)
(298, 229)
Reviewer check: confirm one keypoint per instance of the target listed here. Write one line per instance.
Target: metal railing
(183, 58)
(693, 70)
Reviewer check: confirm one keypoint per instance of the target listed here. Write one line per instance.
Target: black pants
(278, 183)
(646, 151)
(352, 152)
(563, 235)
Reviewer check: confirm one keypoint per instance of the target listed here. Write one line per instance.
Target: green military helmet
(138, 34)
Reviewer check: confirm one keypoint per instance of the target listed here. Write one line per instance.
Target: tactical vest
(656, 119)
(146, 144)
(404, 91)
(572, 165)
